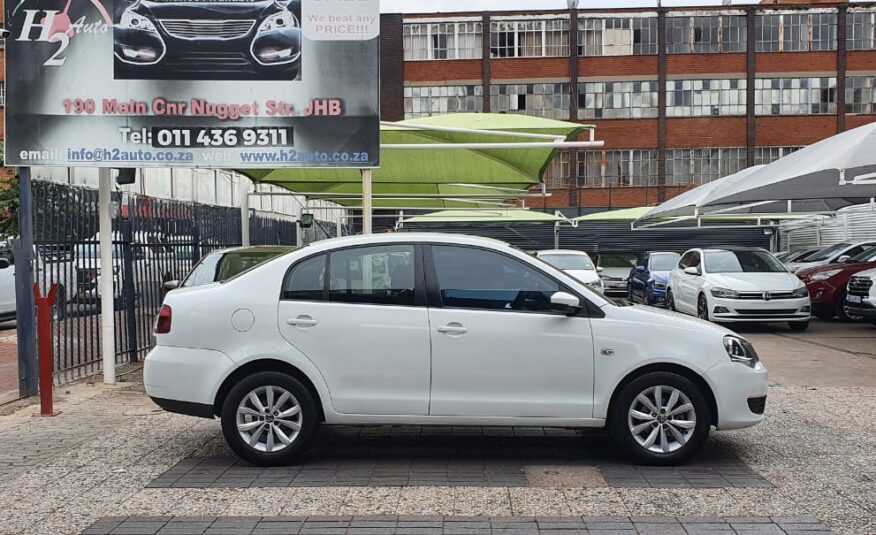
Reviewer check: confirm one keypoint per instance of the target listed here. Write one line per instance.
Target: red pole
(44, 336)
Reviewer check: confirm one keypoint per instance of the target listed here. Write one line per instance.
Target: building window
(859, 30)
(794, 96)
(699, 166)
(558, 174)
(617, 100)
(703, 98)
(438, 100)
(443, 40)
(529, 38)
(796, 32)
(767, 155)
(542, 100)
(2, 94)
(617, 36)
(628, 167)
(706, 34)
(861, 94)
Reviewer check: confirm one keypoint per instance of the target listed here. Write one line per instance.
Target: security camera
(4, 33)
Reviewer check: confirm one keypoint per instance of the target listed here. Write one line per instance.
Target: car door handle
(452, 328)
(301, 321)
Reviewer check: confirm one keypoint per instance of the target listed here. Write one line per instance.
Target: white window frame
(518, 47)
(477, 51)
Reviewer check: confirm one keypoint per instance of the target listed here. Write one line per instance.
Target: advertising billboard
(193, 83)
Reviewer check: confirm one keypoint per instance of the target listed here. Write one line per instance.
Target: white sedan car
(576, 263)
(430, 329)
(738, 284)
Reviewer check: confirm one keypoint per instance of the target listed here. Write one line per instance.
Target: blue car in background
(649, 277)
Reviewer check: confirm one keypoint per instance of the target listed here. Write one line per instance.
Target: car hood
(660, 276)
(756, 282)
(189, 10)
(869, 273)
(850, 268)
(583, 275)
(796, 266)
(616, 273)
(669, 319)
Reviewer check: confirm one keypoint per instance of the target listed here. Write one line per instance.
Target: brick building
(680, 96)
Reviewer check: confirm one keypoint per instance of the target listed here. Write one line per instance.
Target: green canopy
(412, 172)
(627, 214)
(485, 216)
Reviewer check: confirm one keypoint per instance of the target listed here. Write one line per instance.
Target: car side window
(306, 281)
(694, 259)
(475, 278)
(685, 260)
(854, 251)
(381, 275)
(204, 272)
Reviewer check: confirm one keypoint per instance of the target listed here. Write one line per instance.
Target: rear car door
(359, 314)
(497, 348)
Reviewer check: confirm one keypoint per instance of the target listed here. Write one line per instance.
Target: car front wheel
(703, 308)
(670, 300)
(660, 418)
(269, 418)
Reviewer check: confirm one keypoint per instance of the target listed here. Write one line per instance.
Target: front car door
(690, 283)
(365, 326)
(498, 350)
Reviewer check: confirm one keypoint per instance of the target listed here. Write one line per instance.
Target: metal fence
(154, 241)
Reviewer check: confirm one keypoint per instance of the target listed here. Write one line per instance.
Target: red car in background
(827, 284)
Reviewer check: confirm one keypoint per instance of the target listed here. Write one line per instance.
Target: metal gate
(154, 241)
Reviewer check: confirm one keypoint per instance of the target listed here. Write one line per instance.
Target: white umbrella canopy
(688, 202)
(824, 176)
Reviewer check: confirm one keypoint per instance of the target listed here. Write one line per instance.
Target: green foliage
(8, 205)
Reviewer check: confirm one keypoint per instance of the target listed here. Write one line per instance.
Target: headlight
(136, 22)
(824, 275)
(740, 350)
(724, 293)
(279, 21)
(659, 285)
(800, 292)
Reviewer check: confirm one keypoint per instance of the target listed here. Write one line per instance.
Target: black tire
(703, 308)
(621, 433)
(309, 418)
(798, 326)
(670, 300)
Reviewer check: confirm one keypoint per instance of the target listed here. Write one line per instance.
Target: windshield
(664, 261)
(828, 252)
(867, 256)
(742, 262)
(616, 261)
(568, 262)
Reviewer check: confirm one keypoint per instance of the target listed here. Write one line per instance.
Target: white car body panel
(528, 369)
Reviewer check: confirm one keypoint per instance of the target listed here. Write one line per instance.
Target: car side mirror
(640, 269)
(600, 269)
(692, 271)
(565, 303)
(4, 263)
(171, 285)
(843, 259)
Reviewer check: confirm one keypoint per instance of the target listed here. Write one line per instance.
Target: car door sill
(368, 419)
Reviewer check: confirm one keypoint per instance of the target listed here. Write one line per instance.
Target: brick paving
(457, 525)
(8, 364)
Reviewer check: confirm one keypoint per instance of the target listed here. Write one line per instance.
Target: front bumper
(736, 310)
(739, 392)
(178, 376)
(866, 308)
(614, 287)
(657, 298)
(823, 293)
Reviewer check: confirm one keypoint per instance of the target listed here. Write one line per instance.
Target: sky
(438, 6)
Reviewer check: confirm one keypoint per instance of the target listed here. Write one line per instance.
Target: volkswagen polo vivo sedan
(431, 329)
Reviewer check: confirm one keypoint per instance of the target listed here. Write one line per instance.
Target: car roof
(267, 249)
(406, 237)
(731, 248)
(561, 251)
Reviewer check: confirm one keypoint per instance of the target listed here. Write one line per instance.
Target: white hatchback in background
(861, 295)
(576, 263)
(738, 284)
(431, 329)
(837, 253)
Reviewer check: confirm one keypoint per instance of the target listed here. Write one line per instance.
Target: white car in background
(837, 253)
(431, 329)
(861, 295)
(614, 269)
(738, 284)
(576, 263)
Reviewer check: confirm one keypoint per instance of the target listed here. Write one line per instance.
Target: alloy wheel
(662, 419)
(702, 308)
(269, 419)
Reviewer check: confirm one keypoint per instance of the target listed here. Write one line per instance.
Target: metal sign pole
(24, 301)
(366, 201)
(107, 310)
(243, 189)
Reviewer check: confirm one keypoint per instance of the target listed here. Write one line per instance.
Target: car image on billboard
(208, 40)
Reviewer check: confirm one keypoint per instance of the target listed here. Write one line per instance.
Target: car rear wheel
(269, 418)
(660, 418)
(798, 326)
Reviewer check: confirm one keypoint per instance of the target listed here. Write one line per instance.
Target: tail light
(162, 321)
